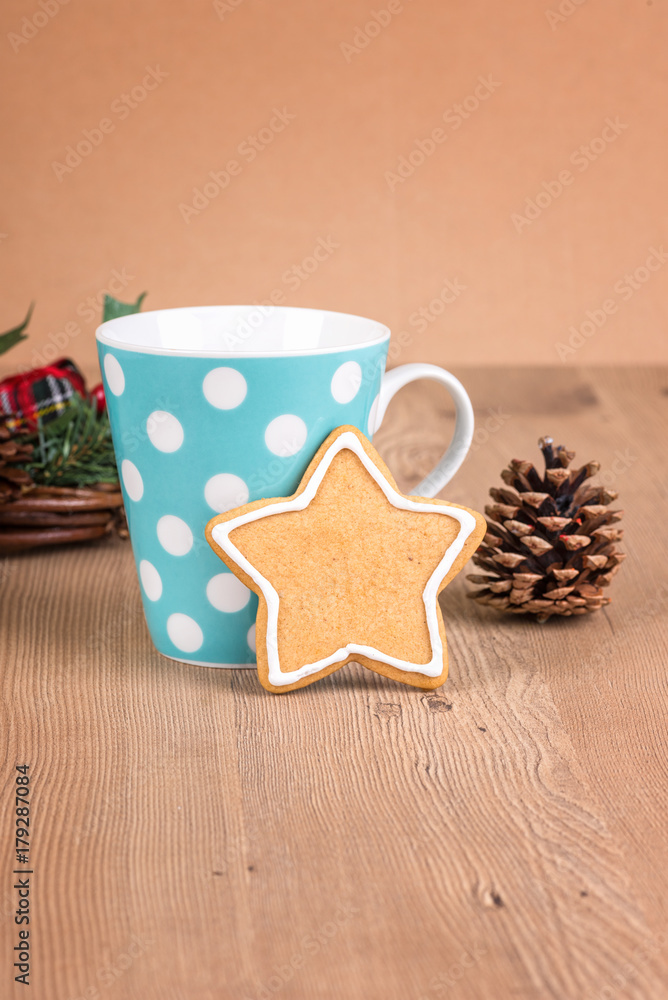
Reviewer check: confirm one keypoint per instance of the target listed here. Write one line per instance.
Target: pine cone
(550, 542)
(13, 449)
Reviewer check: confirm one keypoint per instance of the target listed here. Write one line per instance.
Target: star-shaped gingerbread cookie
(348, 568)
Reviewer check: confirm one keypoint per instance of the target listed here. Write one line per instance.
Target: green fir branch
(12, 337)
(113, 308)
(75, 449)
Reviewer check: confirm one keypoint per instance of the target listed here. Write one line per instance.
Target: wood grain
(196, 838)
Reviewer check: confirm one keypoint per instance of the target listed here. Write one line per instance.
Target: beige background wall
(556, 70)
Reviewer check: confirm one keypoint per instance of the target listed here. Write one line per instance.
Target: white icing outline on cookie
(279, 678)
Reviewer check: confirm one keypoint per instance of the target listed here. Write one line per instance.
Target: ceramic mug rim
(104, 334)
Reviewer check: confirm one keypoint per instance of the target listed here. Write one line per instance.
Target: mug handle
(455, 454)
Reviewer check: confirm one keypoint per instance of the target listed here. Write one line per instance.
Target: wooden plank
(197, 838)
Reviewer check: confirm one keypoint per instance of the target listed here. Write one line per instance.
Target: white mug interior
(220, 331)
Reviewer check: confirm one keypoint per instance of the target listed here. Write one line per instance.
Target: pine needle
(75, 449)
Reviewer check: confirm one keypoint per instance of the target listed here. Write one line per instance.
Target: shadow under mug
(212, 407)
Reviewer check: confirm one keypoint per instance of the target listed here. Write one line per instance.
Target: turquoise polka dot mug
(214, 406)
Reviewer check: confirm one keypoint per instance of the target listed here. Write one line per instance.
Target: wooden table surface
(196, 838)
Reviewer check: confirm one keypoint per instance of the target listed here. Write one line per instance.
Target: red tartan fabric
(41, 393)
